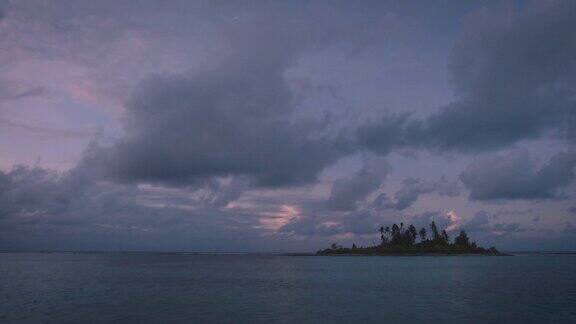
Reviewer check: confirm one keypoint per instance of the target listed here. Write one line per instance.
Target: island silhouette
(401, 240)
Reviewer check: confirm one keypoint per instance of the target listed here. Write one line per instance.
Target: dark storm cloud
(482, 222)
(514, 80)
(30, 193)
(236, 118)
(411, 189)
(385, 135)
(478, 222)
(40, 208)
(36, 194)
(181, 129)
(347, 192)
(515, 176)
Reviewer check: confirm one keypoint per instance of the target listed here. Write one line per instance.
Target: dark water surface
(149, 287)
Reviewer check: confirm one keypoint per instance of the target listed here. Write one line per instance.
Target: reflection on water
(149, 287)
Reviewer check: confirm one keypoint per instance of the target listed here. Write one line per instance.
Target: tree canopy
(399, 239)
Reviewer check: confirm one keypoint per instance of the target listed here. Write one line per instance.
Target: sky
(285, 125)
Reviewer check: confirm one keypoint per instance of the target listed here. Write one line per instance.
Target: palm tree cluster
(407, 236)
(401, 239)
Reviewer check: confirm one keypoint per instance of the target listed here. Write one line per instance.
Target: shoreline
(415, 254)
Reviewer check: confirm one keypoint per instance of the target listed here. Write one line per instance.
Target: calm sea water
(148, 287)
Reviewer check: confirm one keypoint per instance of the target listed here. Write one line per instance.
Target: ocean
(245, 288)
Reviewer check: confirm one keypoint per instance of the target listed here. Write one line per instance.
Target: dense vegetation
(403, 240)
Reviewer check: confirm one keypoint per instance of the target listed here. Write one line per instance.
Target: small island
(401, 240)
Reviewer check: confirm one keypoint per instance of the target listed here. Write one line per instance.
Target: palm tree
(413, 234)
(422, 234)
(462, 239)
(445, 238)
(435, 234)
(396, 235)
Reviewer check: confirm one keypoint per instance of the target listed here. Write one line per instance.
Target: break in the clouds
(250, 125)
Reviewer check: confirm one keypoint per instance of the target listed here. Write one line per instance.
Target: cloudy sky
(285, 126)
